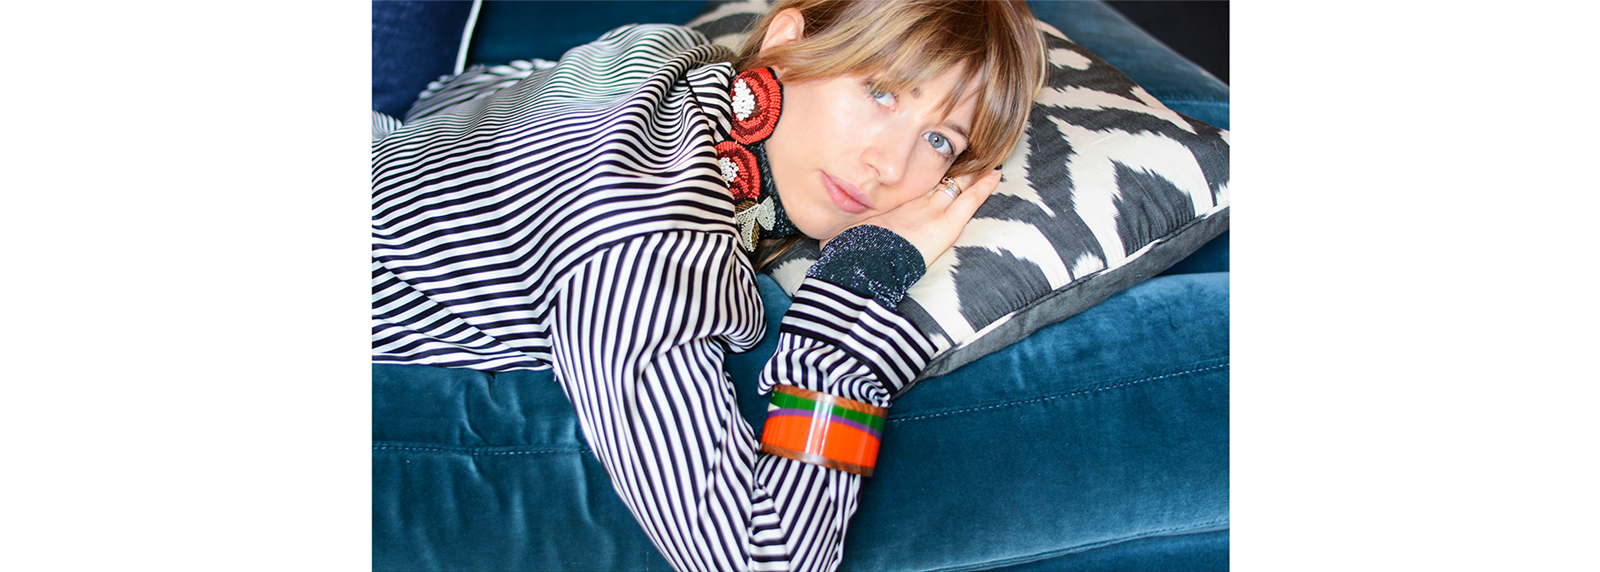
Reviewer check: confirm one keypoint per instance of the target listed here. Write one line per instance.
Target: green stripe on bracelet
(787, 401)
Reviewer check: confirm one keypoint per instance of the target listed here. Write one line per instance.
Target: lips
(845, 195)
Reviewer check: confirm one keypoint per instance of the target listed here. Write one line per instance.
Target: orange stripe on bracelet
(819, 435)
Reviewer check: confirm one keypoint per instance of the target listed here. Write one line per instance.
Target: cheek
(907, 192)
(815, 224)
(834, 127)
(925, 173)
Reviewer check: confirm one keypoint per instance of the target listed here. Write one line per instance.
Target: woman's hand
(932, 221)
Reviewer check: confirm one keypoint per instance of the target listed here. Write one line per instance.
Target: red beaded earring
(757, 99)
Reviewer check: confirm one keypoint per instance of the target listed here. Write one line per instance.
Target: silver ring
(950, 187)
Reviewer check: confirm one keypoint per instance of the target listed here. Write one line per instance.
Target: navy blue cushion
(509, 31)
(413, 43)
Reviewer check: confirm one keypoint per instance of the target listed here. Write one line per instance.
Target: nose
(888, 153)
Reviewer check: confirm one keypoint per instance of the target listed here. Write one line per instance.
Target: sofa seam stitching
(475, 450)
(1089, 546)
(1069, 394)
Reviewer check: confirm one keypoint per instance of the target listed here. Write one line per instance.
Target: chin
(820, 220)
(815, 232)
(819, 229)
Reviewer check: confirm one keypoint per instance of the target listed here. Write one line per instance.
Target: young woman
(599, 216)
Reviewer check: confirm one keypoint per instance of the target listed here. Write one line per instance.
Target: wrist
(823, 429)
(872, 261)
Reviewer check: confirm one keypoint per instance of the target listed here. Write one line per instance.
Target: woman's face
(844, 151)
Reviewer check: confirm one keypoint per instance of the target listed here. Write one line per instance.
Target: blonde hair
(906, 43)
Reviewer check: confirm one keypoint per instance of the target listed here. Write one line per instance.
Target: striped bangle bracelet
(823, 429)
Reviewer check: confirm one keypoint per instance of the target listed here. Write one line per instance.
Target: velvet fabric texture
(1098, 443)
(1106, 427)
(1166, 553)
(1109, 427)
(548, 28)
(413, 43)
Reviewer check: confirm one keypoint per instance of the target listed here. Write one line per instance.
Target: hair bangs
(916, 62)
(903, 45)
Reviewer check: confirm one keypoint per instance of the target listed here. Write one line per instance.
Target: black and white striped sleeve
(841, 342)
(383, 125)
(574, 219)
(466, 93)
(840, 336)
(639, 335)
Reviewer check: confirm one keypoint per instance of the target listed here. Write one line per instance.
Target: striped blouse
(572, 216)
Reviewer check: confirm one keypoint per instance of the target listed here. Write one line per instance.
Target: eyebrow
(961, 130)
(916, 92)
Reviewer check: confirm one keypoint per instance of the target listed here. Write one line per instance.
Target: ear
(786, 27)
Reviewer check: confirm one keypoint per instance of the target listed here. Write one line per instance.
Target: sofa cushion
(545, 30)
(413, 43)
(1124, 407)
(1108, 188)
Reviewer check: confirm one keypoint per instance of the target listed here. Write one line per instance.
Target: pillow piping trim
(1089, 291)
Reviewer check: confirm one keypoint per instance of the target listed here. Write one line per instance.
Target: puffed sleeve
(469, 90)
(640, 332)
(464, 93)
(841, 336)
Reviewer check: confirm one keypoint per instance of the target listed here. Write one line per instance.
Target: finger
(973, 195)
(942, 197)
(980, 182)
(971, 180)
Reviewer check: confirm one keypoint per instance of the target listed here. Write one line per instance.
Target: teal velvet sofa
(1096, 443)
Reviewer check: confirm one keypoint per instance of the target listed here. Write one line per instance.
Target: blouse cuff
(871, 261)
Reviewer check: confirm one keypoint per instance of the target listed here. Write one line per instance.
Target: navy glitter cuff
(871, 261)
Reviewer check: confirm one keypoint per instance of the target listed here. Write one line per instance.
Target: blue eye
(883, 98)
(940, 143)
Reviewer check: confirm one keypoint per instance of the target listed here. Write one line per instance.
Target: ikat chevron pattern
(1108, 187)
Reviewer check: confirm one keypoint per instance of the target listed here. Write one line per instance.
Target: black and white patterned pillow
(1108, 188)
